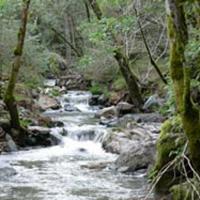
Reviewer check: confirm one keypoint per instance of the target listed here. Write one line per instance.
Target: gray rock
(142, 117)
(6, 172)
(98, 100)
(45, 102)
(94, 100)
(136, 156)
(11, 146)
(124, 107)
(70, 108)
(152, 101)
(135, 146)
(97, 165)
(102, 100)
(109, 122)
(108, 112)
(50, 82)
(114, 142)
(42, 136)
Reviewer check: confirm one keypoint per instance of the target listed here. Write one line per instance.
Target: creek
(71, 170)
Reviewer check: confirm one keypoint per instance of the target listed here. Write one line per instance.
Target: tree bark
(180, 74)
(9, 98)
(123, 63)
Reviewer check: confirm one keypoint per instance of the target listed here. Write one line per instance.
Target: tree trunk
(180, 75)
(123, 63)
(9, 98)
(133, 88)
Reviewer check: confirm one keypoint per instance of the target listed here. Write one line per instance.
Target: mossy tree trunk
(180, 74)
(9, 98)
(123, 62)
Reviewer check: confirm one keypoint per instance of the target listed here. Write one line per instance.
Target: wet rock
(56, 124)
(98, 100)
(44, 121)
(41, 136)
(83, 135)
(6, 172)
(108, 112)
(94, 101)
(124, 108)
(96, 165)
(6, 142)
(2, 105)
(5, 124)
(116, 141)
(35, 93)
(142, 117)
(136, 147)
(109, 122)
(3, 143)
(11, 146)
(136, 156)
(153, 101)
(82, 150)
(70, 108)
(45, 102)
(102, 100)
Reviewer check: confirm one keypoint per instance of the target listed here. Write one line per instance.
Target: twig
(149, 52)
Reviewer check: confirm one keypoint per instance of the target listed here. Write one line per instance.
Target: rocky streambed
(94, 148)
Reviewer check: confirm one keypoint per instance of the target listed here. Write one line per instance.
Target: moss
(169, 145)
(185, 191)
(170, 142)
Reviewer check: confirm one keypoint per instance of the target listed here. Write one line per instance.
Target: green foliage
(25, 122)
(96, 89)
(55, 92)
(119, 84)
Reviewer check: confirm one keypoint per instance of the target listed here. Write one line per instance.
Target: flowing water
(71, 170)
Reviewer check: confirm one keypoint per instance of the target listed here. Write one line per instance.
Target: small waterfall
(85, 133)
(76, 101)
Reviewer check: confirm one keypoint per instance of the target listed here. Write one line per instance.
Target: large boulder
(137, 155)
(136, 147)
(45, 102)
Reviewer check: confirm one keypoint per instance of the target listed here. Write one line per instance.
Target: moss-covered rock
(170, 142)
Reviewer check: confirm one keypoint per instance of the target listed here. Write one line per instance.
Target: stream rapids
(63, 172)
